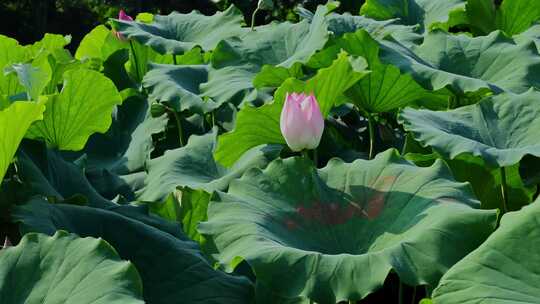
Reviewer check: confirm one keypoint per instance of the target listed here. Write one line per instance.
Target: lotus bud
(125, 17)
(302, 123)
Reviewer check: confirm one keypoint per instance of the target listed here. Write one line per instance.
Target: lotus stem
(305, 154)
(413, 295)
(178, 125)
(135, 61)
(316, 157)
(174, 59)
(371, 135)
(253, 18)
(504, 190)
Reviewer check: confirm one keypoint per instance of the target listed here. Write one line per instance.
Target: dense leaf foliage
(161, 141)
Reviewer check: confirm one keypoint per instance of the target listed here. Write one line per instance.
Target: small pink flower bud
(302, 123)
(124, 17)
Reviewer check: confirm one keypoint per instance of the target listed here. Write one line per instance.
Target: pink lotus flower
(302, 123)
(125, 17)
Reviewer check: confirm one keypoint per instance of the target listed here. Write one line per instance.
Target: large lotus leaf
(127, 145)
(501, 129)
(82, 108)
(503, 269)
(179, 86)
(14, 122)
(385, 88)
(236, 61)
(178, 33)
(46, 174)
(468, 64)
(172, 270)
(66, 269)
(378, 29)
(194, 166)
(257, 126)
(334, 234)
(115, 161)
(425, 13)
(10, 53)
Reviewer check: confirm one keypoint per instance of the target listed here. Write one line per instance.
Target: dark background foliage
(28, 20)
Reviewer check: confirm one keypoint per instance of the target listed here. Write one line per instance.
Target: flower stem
(135, 61)
(253, 18)
(305, 154)
(504, 191)
(315, 157)
(178, 125)
(174, 59)
(371, 135)
(413, 295)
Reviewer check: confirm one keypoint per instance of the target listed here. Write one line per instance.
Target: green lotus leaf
(194, 166)
(46, 174)
(172, 269)
(485, 180)
(512, 17)
(532, 34)
(481, 15)
(194, 207)
(501, 129)
(466, 64)
(14, 122)
(385, 88)
(502, 269)
(10, 53)
(378, 29)
(425, 13)
(516, 16)
(127, 145)
(293, 224)
(66, 269)
(115, 161)
(99, 43)
(92, 43)
(178, 33)
(50, 43)
(33, 79)
(83, 107)
(235, 61)
(178, 86)
(140, 56)
(257, 126)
